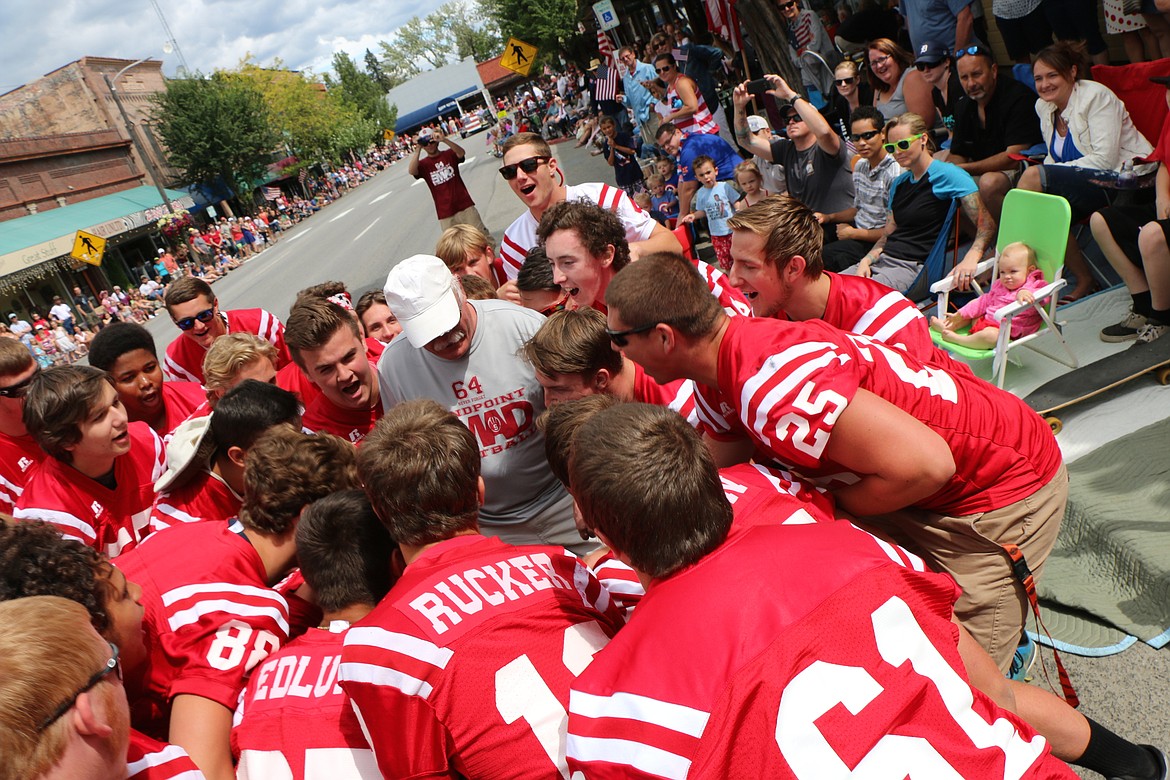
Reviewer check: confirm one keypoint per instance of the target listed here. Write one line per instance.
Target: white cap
(420, 291)
(189, 449)
(161, 251)
(756, 123)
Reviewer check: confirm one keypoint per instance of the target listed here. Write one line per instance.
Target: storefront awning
(447, 106)
(28, 241)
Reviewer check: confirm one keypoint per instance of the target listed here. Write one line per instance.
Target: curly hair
(35, 560)
(286, 469)
(596, 228)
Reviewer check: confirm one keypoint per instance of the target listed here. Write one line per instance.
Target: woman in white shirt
(1090, 138)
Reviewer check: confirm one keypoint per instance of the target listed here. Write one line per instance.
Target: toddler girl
(1016, 279)
(751, 181)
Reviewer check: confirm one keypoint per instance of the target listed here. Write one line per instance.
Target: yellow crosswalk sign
(518, 56)
(88, 248)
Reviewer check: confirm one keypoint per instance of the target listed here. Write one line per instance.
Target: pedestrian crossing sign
(88, 248)
(518, 56)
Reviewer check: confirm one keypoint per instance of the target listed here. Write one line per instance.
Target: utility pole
(142, 153)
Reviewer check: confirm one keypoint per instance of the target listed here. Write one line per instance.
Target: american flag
(723, 21)
(605, 87)
(271, 193)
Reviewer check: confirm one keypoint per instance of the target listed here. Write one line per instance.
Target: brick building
(65, 147)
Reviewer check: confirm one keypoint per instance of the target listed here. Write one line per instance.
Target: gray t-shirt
(819, 180)
(494, 393)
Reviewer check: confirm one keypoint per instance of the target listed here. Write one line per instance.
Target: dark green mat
(1109, 574)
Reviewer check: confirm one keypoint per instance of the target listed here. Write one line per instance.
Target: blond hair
(789, 228)
(229, 355)
(459, 241)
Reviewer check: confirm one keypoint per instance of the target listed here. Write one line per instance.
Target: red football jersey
(210, 616)
(204, 498)
(149, 759)
(768, 495)
(184, 358)
(620, 581)
(730, 298)
(465, 665)
(836, 658)
(324, 416)
(295, 722)
(678, 395)
(182, 401)
(18, 456)
(868, 308)
(786, 383)
(110, 521)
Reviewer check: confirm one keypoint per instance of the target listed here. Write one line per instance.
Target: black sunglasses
(618, 337)
(786, 6)
(528, 165)
(20, 389)
(923, 66)
(112, 665)
(845, 82)
(204, 316)
(865, 136)
(666, 69)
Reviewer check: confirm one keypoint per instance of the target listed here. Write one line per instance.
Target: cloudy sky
(43, 36)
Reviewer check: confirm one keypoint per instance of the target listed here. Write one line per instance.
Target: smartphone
(758, 86)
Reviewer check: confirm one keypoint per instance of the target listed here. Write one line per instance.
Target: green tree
(358, 90)
(215, 126)
(452, 31)
(301, 110)
(546, 24)
(374, 70)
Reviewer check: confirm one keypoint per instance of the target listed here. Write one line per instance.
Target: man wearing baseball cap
(440, 171)
(465, 355)
(773, 173)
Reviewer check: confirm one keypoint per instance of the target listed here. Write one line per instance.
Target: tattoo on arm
(984, 225)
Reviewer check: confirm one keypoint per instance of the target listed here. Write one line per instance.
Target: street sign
(518, 56)
(387, 135)
(88, 248)
(606, 17)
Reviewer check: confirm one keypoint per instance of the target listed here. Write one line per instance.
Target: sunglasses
(205, 316)
(112, 665)
(845, 82)
(791, 118)
(864, 136)
(922, 66)
(666, 69)
(619, 337)
(20, 389)
(528, 165)
(961, 53)
(903, 145)
(786, 6)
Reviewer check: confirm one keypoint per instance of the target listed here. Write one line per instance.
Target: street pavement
(360, 237)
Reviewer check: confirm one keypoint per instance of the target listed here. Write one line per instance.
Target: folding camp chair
(1041, 221)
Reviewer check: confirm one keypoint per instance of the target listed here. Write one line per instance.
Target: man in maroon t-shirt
(440, 170)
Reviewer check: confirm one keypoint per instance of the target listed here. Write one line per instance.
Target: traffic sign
(388, 135)
(607, 18)
(88, 248)
(518, 56)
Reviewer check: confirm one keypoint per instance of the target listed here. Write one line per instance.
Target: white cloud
(211, 34)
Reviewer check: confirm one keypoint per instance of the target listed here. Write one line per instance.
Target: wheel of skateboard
(1164, 376)
(1055, 424)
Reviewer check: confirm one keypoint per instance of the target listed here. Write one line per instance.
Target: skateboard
(1089, 381)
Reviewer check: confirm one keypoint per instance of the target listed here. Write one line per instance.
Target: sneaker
(1125, 330)
(1160, 766)
(1150, 332)
(1023, 659)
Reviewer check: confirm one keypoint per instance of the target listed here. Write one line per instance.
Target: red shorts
(722, 246)
(983, 323)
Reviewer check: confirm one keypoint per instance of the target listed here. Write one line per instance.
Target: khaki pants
(469, 216)
(993, 606)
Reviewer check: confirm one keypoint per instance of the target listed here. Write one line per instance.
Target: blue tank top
(1068, 152)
